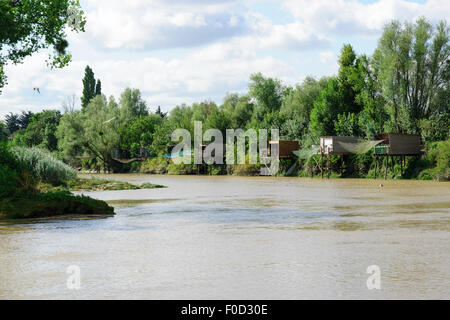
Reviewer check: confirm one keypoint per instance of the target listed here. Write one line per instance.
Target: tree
(326, 109)
(162, 114)
(268, 94)
(132, 106)
(180, 117)
(12, 121)
(41, 131)
(297, 106)
(3, 131)
(70, 134)
(412, 62)
(25, 119)
(138, 133)
(89, 88)
(101, 134)
(27, 26)
(98, 88)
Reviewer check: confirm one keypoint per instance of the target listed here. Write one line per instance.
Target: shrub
(156, 165)
(43, 165)
(14, 176)
(247, 170)
(437, 160)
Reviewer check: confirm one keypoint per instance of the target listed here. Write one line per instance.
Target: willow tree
(27, 26)
(412, 59)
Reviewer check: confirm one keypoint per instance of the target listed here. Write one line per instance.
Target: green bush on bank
(52, 204)
(15, 178)
(43, 165)
(437, 162)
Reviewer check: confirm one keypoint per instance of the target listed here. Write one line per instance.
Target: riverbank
(53, 201)
(434, 164)
(95, 184)
(52, 204)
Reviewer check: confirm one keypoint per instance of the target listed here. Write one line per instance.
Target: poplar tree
(89, 88)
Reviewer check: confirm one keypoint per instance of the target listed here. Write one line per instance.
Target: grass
(43, 165)
(94, 184)
(52, 204)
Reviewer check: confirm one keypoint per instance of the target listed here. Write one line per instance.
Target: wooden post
(321, 163)
(342, 164)
(386, 167)
(329, 165)
(401, 165)
(376, 164)
(392, 165)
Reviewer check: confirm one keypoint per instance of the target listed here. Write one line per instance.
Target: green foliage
(326, 110)
(246, 170)
(4, 132)
(436, 128)
(14, 176)
(43, 166)
(138, 133)
(437, 161)
(41, 131)
(297, 106)
(132, 106)
(89, 88)
(24, 30)
(268, 94)
(53, 204)
(156, 165)
(347, 125)
(412, 60)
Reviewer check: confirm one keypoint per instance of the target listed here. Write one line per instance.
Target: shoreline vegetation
(401, 89)
(433, 165)
(33, 184)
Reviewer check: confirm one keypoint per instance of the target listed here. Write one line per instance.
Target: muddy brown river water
(240, 238)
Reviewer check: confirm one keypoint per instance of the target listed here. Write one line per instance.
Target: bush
(51, 205)
(156, 165)
(43, 165)
(14, 176)
(437, 160)
(247, 170)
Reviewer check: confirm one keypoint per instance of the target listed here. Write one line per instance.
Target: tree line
(402, 88)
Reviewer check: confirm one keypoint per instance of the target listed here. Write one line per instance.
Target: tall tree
(132, 105)
(412, 62)
(12, 121)
(3, 131)
(98, 87)
(88, 88)
(27, 26)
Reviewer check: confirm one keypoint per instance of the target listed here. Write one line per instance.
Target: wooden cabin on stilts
(398, 145)
(330, 146)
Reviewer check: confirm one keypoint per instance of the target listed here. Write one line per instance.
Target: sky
(189, 51)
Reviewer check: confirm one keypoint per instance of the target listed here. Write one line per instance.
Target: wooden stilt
(321, 163)
(392, 165)
(386, 167)
(329, 165)
(401, 166)
(376, 164)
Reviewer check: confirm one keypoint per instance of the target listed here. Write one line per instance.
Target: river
(240, 238)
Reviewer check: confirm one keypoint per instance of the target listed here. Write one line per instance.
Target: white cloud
(353, 17)
(159, 24)
(200, 74)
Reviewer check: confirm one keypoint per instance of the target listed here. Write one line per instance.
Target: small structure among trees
(396, 144)
(286, 148)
